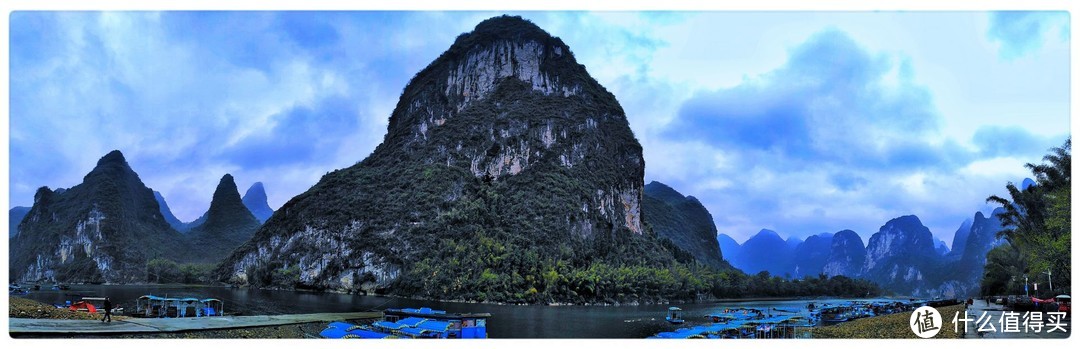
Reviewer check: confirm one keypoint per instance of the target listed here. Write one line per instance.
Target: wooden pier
(163, 325)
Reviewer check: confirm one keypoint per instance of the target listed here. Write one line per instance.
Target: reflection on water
(508, 321)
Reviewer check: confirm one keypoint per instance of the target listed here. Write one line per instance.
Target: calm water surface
(507, 321)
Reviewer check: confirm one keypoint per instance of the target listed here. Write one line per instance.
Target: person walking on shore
(108, 310)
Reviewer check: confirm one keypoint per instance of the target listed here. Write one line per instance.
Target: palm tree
(1023, 214)
(1026, 213)
(1036, 220)
(1056, 174)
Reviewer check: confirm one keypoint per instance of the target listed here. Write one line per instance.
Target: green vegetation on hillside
(228, 223)
(684, 221)
(165, 271)
(438, 211)
(506, 240)
(1037, 229)
(113, 209)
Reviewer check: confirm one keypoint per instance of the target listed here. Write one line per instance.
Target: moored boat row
(746, 325)
(155, 306)
(791, 323)
(414, 323)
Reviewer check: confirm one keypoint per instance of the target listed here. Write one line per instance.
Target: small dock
(163, 325)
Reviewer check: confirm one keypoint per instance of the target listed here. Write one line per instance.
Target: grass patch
(888, 326)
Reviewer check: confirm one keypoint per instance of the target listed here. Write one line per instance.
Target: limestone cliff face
(846, 255)
(102, 230)
(901, 256)
(463, 110)
(472, 79)
(503, 135)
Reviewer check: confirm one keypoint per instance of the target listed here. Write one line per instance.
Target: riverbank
(298, 331)
(508, 321)
(30, 309)
(19, 307)
(887, 326)
(633, 303)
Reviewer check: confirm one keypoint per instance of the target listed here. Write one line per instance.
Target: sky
(798, 122)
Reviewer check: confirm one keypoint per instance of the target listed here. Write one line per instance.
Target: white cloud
(180, 92)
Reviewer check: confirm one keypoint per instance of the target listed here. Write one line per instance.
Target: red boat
(83, 306)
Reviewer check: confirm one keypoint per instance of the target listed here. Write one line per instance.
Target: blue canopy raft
(154, 306)
(737, 325)
(790, 322)
(673, 316)
(414, 323)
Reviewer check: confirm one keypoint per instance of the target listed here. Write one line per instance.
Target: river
(507, 321)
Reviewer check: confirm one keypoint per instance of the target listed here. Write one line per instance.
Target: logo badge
(925, 322)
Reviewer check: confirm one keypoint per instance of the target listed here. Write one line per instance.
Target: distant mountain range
(903, 256)
(810, 256)
(168, 215)
(15, 216)
(730, 246)
(941, 247)
(765, 251)
(255, 201)
(88, 233)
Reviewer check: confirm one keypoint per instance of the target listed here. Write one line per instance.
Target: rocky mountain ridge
(507, 173)
(903, 256)
(102, 230)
